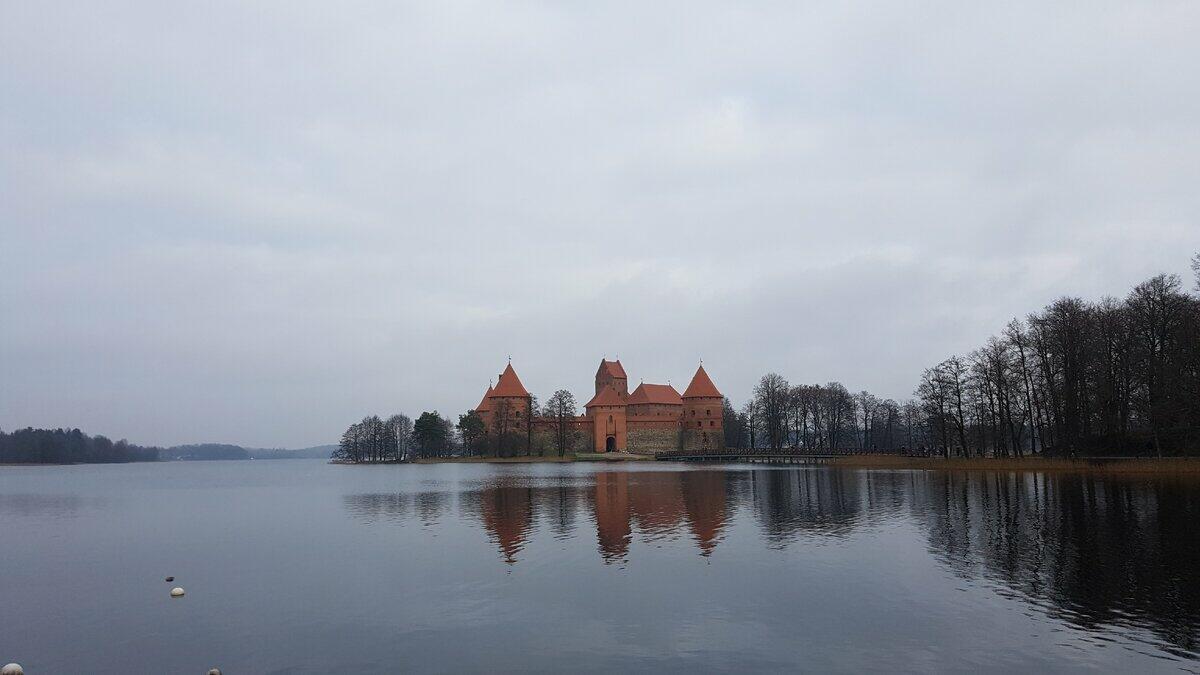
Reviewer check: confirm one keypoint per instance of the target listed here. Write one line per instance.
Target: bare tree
(867, 405)
(401, 426)
(771, 399)
(560, 408)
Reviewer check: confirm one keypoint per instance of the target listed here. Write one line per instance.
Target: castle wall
(545, 435)
(656, 410)
(702, 439)
(651, 439)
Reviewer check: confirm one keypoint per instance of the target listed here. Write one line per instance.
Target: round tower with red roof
(507, 411)
(702, 414)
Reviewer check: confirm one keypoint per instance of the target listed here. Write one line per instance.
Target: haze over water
(301, 566)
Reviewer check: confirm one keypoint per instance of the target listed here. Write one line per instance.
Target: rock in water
(177, 592)
(12, 669)
(170, 579)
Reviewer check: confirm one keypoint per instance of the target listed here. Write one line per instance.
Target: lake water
(305, 567)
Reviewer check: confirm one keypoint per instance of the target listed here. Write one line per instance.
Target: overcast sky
(258, 222)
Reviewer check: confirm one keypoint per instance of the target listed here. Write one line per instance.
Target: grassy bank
(1166, 465)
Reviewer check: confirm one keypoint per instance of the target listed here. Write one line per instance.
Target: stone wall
(703, 439)
(649, 441)
(545, 441)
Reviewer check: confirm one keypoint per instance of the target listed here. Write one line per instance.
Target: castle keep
(653, 418)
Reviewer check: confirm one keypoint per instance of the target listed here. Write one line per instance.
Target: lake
(305, 567)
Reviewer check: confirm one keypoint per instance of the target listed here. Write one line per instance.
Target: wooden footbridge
(769, 456)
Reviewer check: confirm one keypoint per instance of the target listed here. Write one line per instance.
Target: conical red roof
(485, 405)
(701, 386)
(509, 384)
(607, 396)
(663, 394)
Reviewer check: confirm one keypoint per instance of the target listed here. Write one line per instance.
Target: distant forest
(68, 446)
(213, 451)
(1113, 377)
(72, 446)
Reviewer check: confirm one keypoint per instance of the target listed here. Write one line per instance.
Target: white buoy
(12, 669)
(214, 671)
(177, 592)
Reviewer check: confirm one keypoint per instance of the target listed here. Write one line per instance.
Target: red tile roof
(701, 386)
(509, 385)
(613, 368)
(484, 405)
(663, 394)
(607, 396)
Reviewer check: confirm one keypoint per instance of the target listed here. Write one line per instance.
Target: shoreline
(534, 459)
(1098, 465)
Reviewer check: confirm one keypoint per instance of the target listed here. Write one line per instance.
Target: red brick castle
(654, 418)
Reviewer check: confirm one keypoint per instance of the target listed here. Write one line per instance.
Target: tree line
(1117, 376)
(69, 446)
(828, 416)
(397, 439)
(1108, 377)
(512, 434)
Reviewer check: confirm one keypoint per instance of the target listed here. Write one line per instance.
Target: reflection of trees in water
(556, 506)
(374, 507)
(1090, 550)
(397, 507)
(791, 503)
(431, 506)
(41, 505)
(1094, 551)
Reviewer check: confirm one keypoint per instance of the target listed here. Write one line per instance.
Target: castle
(653, 418)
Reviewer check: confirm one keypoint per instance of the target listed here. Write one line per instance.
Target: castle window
(712, 423)
(693, 413)
(708, 412)
(699, 423)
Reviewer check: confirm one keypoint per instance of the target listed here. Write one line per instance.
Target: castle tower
(607, 410)
(508, 409)
(702, 422)
(611, 374)
(484, 409)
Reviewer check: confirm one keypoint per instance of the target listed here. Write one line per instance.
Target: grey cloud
(256, 223)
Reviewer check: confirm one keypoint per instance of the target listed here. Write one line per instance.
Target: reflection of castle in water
(653, 504)
(1091, 551)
